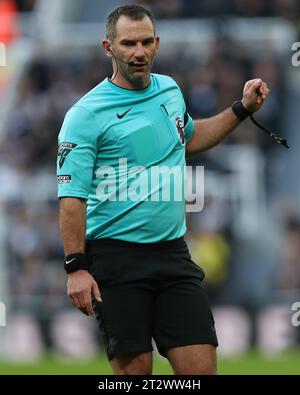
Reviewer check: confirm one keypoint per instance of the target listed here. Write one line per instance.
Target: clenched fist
(254, 94)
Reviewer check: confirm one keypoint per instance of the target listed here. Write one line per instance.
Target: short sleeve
(189, 127)
(77, 153)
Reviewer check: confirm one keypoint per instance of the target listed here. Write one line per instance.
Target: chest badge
(180, 129)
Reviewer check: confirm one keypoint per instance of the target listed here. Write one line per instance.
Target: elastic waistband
(97, 245)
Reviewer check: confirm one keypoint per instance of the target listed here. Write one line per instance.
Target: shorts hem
(161, 348)
(128, 350)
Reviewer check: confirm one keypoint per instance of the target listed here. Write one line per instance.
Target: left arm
(211, 131)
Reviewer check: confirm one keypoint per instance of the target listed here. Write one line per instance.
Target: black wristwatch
(240, 111)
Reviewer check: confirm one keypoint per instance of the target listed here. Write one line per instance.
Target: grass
(250, 363)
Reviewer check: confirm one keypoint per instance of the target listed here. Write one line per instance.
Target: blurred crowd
(192, 8)
(213, 8)
(49, 87)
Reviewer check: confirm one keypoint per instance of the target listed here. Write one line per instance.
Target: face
(135, 43)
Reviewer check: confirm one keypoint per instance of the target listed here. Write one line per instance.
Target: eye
(148, 42)
(128, 43)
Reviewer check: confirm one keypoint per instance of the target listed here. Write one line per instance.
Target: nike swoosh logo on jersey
(123, 115)
(71, 260)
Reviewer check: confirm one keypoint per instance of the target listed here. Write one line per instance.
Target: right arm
(75, 164)
(72, 224)
(81, 285)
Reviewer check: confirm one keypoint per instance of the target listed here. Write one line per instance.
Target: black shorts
(149, 291)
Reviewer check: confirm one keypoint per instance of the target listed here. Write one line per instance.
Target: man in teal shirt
(118, 129)
(121, 184)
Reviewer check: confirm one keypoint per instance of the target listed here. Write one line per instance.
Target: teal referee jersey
(124, 151)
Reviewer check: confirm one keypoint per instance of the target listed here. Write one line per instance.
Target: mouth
(138, 66)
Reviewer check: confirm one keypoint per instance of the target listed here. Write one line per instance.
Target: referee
(120, 236)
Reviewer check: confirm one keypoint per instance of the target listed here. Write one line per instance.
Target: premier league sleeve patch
(180, 130)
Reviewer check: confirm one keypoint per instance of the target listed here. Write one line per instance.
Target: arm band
(74, 262)
(240, 111)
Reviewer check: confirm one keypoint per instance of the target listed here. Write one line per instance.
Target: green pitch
(251, 363)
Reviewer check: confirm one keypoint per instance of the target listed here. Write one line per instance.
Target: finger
(253, 83)
(81, 299)
(257, 84)
(73, 298)
(73, 301)
(96, 292)
(88, 303)
(253, 90)
(261, 94)
(83, 311)
(77, 304)
(250, 82)
(263, 90)
(266, 92)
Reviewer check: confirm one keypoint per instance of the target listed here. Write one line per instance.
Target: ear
(106, 47)
(157, 42)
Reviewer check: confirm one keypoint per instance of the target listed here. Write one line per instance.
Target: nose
(139, 51)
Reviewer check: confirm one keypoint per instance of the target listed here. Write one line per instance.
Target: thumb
(96, 292)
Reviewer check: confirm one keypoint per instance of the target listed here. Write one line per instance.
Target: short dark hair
(134, 12)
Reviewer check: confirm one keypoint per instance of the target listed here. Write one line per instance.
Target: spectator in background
(289, 274)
